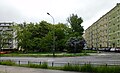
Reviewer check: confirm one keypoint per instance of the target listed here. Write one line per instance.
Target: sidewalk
(13, 69)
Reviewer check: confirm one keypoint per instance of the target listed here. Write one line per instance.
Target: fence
(94, 63)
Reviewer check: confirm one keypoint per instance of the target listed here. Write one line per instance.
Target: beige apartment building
(105, 32)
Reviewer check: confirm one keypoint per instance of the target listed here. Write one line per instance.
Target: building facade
(105, 32)
(7, 36)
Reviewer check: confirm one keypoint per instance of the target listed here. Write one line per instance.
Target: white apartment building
(7, 36)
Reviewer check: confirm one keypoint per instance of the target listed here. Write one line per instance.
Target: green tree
(39, 36)
(60, 35)
(75, 23)
(46, 43)
(74, 43)
(24, 40)
(31, 36)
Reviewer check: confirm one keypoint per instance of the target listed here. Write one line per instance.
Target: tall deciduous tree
(33, 37)
(60, 34)
(75, 23)
(74, 43)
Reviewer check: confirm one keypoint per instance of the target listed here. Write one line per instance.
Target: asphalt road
(101, 58)
(13, 69)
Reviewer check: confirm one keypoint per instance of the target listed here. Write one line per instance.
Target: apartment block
(105, 32)
(7, 36)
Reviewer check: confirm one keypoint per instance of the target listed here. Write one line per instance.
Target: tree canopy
(75, 42)
(75, 23)
(39, 36)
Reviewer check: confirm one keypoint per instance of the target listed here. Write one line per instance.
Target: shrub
(107, 69)
(71, 68)
(7, 62)
(87, 68)
(44, 65)
(117, 69)
(34, 66)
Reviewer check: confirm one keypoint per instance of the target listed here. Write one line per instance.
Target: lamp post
(53, 34)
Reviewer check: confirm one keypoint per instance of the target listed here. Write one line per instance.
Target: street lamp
(53, 34)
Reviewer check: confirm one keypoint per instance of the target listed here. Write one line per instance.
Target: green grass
(7, 62)
(107, 69)
(47, 54)
(89, 51)
(92, 69)
(78, 68)
(71, 68)
(87, 68)
(84, 68)
(44, 55)
(44, 65)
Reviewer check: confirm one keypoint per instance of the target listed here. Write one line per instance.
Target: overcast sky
(36, 10)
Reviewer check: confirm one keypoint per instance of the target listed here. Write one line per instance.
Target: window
(118, 10)
(113, 37)
(118, 33)
(117, 17)
(105, 31)
(106, 24)
(118, 26)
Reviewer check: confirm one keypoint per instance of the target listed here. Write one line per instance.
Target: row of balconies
(6, 24)
(105, 34)
(104, 27)
(5, 28)
(109, 26)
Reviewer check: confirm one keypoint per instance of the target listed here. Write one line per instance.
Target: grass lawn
(84, 53)
(88, 68)
(44, 55)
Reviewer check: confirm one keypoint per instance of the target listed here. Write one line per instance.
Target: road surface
(101, 58)
(13, 69)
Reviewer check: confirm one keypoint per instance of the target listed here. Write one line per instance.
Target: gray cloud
(35, 10)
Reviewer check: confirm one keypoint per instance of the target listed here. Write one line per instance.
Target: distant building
(105, 32)
(7, 36)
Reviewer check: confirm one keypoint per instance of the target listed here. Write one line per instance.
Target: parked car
(93, 48)
(102, 49)
(4, 52)
(113, 49)
(107, 49)
(117, 49)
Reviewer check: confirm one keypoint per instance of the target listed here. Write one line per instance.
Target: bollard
(19, 62)
(68, 63)
(52, 64)
(28, 62)
(40, 63)
(105, 64)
